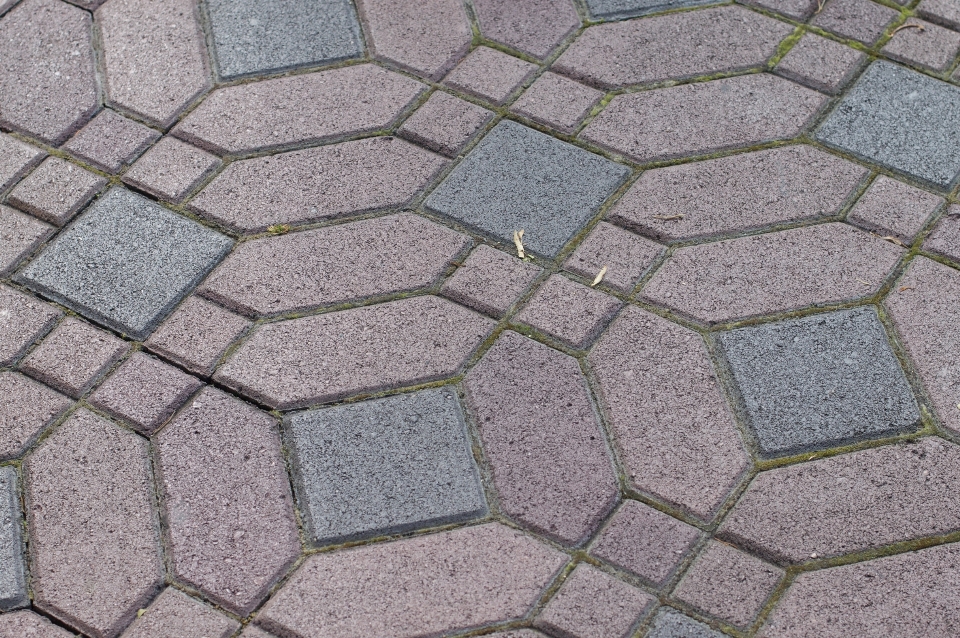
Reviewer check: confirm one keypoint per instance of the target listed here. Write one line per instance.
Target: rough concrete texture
(820, 63)
(26, 412)
(669, 623)
(534, 28)
(490, 74)
(796, 9)
(23, 320)
(176, 614)
(557, 101)
(171, 169)
(56, 190)
(542, 439)
(16, 159)
(943, 12)
(892, 208)
(13, 580)
(858, 19)
(671, 424)
(619, 9)
(944, 239)
(490, 281)
(925, 45)
(252, 631)
(384, 466)
(444, 123)
(518, 178)
(568, 311)
(126, 262)
(111, 141)
(699, 118)
(27, 623)
(20, 234)
(226, 500)
(626, 257)
(453, 580)
(518, 633)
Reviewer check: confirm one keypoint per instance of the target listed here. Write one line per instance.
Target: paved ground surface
(569, 318)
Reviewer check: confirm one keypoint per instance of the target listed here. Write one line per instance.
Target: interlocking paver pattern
(13, 578)
(111, 141)
(176, 614)
(23, 320)
(29, 408)
(490, 281)
(625, 256)
(171, 169)
(893, 208)
(21, 234)
(861, 20)
(568, 311)
(925, 45)
(16, 159)
(944, 239)
(557, 101)
(669, 623)
(820, 63)
(445, 123)
(490, 74)
(56, 190)
(533, 27)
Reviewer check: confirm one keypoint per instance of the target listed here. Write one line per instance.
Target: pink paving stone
(876, 497)
(568, 311)
(48, 86)
(674, 430)
(423, 586)
(534, 27)
(197, 335)
(111, 141)
(557, 101)
(20, 235)
(56, 190)
(490, 74)
(673, 46)
(318, 183)
(313, 360)
(445, 123)
(861, 20)
(728, 583)
(645, 541)
(252, 631)
(27, 409)
(944, 239)
(153, 56)
(16, 159)
(426, 37)
(324, 267)
(540, 434)
(775, 272)
(226, 500)
(945, 12)
(592, 604)
(625, 256)
(820, 63)
(311, 107)
(176, 614)
(704, 117)
(23, 320)
(909, 595)
(144, 391)
(738, 193)
(934, 47)
(94, 538)
(893, 208)
(26, 624)
(171, 169)
(490, 281)
(797, 9)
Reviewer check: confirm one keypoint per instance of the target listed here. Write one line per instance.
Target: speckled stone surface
(490, 74)
(490, 281)
(176, 614)
(56, 190)
(944, 239)
(893, 208)
(111, 141)
(820, 63)
(445, 123)
(626, 257)
(171, 169)
(13, 577)
(17, 159)
(568, 311)
(30, 408)
(23, 320)
(21, 235)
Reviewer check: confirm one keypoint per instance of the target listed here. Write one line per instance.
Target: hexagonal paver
(673, 428)
(171, 169)
(670, 623)
(858, 19)
(420, 586)
(534, 28)
(176, 614)
(490, 281)
(626, 257)
(540, 435)
(699, 118)
(13, 580)
(110, 141)
(27, 623)
(876, 497)
(517, 178)
(28, 408)
(445, 123)
(557, 101)
(384, 466)
(56, 190)
(893, 208)
(944, 239)
(319, 183)
(20, 235)
(568, 311)
(126, 262)
(226, 500)
(89, 503)
(820, 63)
(764, 274)
(618, 9)
(16, 159)
(23, 320)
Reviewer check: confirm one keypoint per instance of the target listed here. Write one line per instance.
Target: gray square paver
(13, 585)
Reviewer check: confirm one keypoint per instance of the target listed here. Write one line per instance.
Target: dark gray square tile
(619, 9)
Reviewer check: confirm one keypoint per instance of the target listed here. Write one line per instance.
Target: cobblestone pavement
(507, 318)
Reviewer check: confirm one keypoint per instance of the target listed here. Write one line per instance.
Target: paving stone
(944, 239)
(669, 623)
(171, 169)
(738, 193)
(673, 429)
(226, 500)
(534, 27)
(934, 47)
(945, 12)
(592, 604)
(16, 159)
(318, 183)
(858, 19)
(490, 74)
(820, 63)
(312, 107)
(323, 358)
(518, 178)
(775, 272)
(176, 614)
(619, 9)
(518, 633)
(704, 117)
(56, 190)
(626, 257)
(126, 262)
(28, 409)
(673, 46)
(197, 334)
(568, 311)
(13, 581)
(728, 583)
(145, 392)
(645, 541)
(490, 281)
(73, 356)
(796, 9)
(445, 123)
(23, 320)
(256, 36)
(89, 500)
(252, 631)
(923, 307)
(27, 623)
(902, 595)
(893, 208)
(20, 235)
(426, 585)
(153, 56)
(111, 141)
(557, 101)
(427, 37)
(48, 85)
(384, 466)
(540, 434)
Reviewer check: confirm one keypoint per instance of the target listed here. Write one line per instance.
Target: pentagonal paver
(13, 580)
(27, 623)
(540, 435)
(16, 159)
(176, 614)
(820, 63)
(171, 169)
(23, 320)
(618, 9)
(858, 19)
(944, 239)
(490, 74)
(670, 623)
(317, 359)
(490, 281)
(28, 407)
(893, 208)
(673, 46)
(110, 141)
(764, 274)
(56, 190)
(557, 101)
(89, 503)
(315, 184)
(625, 256)
(568, 311)
(226, 500)
(419, 586)
(673, 428)
(20, 235)
(444, 123)
(534, 28)
(876, 497)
